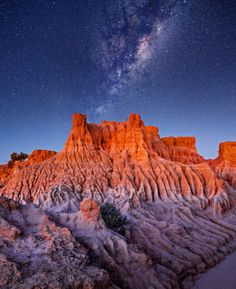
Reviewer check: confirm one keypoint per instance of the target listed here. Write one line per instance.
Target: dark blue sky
(175, 64)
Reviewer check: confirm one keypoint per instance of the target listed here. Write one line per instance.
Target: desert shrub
(14, 156)
(10, 164)
(112, 217)
(23, 156)
(18, 157)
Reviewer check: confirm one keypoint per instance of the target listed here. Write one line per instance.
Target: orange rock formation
(225, 164)
(183, 149)
(173, 198)
(38, 156)
(127, 162)
(35, 157)
(90, 210)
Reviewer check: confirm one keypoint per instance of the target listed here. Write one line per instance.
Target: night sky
(174, 62)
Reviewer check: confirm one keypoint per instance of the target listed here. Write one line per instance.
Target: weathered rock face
(174, 201)
(90, 210)
(183, 149)
(113, 137)
(162, 244)
(227, 152)
(5, 171)
(225, 164)
(35, 157)
(36, 253)
(125, 162)
(38, 156)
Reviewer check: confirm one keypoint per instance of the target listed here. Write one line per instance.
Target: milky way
(130, 33)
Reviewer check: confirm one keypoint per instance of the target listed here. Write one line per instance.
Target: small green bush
(112, 217)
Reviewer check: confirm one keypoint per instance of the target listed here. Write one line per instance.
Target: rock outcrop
(162, 244)
(227, 151)
(90, 210)
(35, 157)
(183, 149)
(225, 164)
(36, 253)
(38, 156)
(174, 200)
(125, 162)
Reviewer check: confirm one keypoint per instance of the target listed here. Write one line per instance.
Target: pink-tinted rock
(90, 210)
(43, 255)
(8, 204)
(183, 149)
(39, 156)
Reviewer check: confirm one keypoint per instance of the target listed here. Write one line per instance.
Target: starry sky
(174, 62)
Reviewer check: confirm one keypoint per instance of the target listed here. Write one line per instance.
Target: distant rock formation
(183, 149)
(225, 164)
(126, 162)
(35, 157)
(227, 151)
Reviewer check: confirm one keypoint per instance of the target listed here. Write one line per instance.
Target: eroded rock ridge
(180, 208)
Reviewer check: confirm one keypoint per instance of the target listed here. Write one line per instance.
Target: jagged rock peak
(107, 133)
(79, 133)
(79, 118)
(133, 136)
(135, 120)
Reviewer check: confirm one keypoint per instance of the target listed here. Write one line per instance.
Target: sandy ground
(222, 276)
